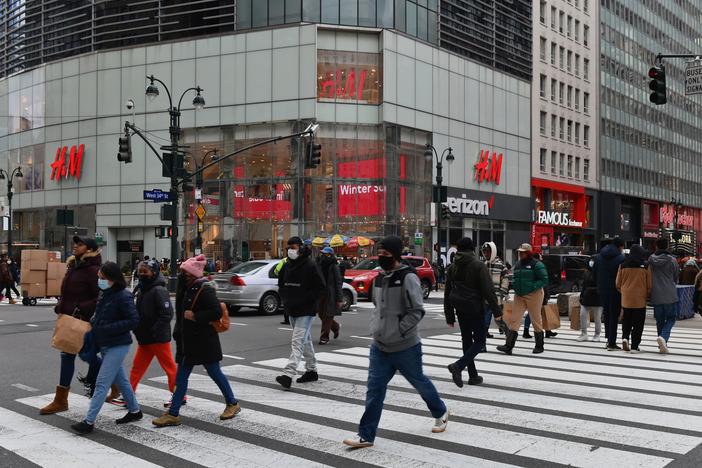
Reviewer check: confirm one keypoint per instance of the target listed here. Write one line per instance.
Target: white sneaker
(596, 338)
(662, 347)
(625, 345)
(582, 337)
(440, 423)
(357, 442)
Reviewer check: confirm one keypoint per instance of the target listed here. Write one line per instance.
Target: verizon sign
(468, 206)
(557, 219)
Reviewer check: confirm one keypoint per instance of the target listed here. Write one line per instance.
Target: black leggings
(10, 287)
(633, 322)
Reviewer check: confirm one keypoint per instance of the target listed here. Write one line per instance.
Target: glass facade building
(649, 151)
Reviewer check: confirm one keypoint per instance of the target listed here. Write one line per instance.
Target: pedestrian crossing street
(574, 405)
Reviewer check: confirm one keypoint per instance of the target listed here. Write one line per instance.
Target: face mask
(104, 284)
(145, 279)
(293, 254)
(591, 263)
(386, 263)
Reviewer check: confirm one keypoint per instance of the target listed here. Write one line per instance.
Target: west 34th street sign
(693, 77)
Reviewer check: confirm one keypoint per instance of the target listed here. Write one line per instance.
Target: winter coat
(155, 311)
(399, 307)
(606, 268)
(634, 283)
(6, 278)
(589, 296)
(664, 270)
(498, 274)
(300, 285)
(197, 342)
(115, 316)
(332, 293)
(529, 276)
(15, 272)
(468, 287)
(79, 289)
(688, 274)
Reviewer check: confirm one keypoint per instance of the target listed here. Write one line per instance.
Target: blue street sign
(157, 195)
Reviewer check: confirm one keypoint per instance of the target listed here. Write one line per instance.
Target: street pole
(429, 153)
(174, 131)
(16, 172)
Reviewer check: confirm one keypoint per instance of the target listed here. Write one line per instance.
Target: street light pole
(429, 153)
(16, 172)
(199, 182)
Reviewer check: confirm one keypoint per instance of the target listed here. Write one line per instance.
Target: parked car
(254, 285)
(565, 272)
(361, 276)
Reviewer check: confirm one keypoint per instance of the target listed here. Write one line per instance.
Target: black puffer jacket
(468, 286)
(301, 285)
(155, 312)
(197, 342)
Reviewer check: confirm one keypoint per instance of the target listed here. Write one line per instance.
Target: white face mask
(293, 254)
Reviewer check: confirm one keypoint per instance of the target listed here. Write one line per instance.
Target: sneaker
(635, 350)
(323, 342)
(230, 411)
(285, 322)
(166, 420)
(83, 428)
(625, 345)
(119, 401)
(440, 423)
(285, 381)
(551, 334)
(130, 417)
(358, 442)
(168, 403)
(613, 347)
(582, 337)
(309, 376)
(477, 380)
(662, 346)
(596, 338)
(489, 335)
(456, 375)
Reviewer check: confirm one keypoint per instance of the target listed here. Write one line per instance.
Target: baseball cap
(87, 241)
(328, 250)
(524, 248)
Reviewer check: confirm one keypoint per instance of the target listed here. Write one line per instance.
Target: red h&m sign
(488, 169)
(63, 166)
(344, 84)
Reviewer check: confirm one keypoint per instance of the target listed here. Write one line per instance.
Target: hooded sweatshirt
(606, 268)
(634, 279)
(468, 287)
(498, 274)
(664, 270)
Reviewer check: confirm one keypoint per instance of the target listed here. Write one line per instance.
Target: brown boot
(114, 393)
(60, 402)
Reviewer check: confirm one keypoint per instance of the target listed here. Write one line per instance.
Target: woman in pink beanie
(197, 342)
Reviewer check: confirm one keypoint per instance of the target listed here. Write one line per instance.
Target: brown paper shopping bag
(69, 333)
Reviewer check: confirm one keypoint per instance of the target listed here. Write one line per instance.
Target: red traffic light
(655, 72)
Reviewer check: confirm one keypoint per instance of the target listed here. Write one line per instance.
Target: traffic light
(445, 213)
(125, 149)
(165, 232)
(313, 155)
(657, 85)
(168, 164)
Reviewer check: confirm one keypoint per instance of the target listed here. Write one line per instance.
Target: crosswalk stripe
(683, 341)
(323, 438)
(185, 442)
(603, 432)
(527, 445)
(50, 447)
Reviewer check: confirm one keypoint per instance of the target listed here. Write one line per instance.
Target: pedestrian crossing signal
(657, 85)
(165, 232)
(125, 149)
(445, 212)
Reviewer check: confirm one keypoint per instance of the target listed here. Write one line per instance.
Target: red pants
(142, 360)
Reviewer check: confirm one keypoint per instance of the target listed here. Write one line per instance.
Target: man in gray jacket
(664, 294)
(397, 295)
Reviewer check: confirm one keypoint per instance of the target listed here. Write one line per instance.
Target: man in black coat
(605, 269)
(300, 285)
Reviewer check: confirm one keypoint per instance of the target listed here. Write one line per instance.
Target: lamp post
(198, 185)
(152, 92)
(429, 154)
(16, 172)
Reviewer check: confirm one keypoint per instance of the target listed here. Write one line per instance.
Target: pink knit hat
(194, 265)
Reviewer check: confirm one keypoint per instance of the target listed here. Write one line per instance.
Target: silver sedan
(254, 285)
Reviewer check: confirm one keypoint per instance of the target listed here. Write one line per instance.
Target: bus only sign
(693, 78)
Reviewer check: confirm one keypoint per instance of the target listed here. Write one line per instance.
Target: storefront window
(349, 77)
(31, 160)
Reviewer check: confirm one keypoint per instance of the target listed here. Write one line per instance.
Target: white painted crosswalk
(574, 405)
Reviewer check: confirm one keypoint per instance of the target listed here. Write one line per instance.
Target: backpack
(223, 323)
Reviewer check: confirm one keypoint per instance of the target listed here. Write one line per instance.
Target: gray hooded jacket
(664, 270)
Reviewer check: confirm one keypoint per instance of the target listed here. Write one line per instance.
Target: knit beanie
(194, 266)
(151, 264)
(392, 244)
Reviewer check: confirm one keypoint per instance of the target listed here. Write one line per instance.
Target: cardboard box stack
(41, 273)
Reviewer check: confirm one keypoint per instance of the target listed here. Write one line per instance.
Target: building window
(569, 64)
(554, 159)
(561, 57)
(577, 168)
(577, 134)
(570, 166)
(542, 48)
(586, 169)
(561, 22)
(553, 53)
(586, 136)
(576, 31)
(542, 12)
(569, 26)
(586, 103)
(554, 119)
(569, 96)
(542, 161)
(561, 89)
(561, 128)
(542, 86)
(554, 86)
(542, 123)
(577, 99)
(577, 65)
(586, 35)
(570, 131)
(561, 164)
(586, 69)
(349, 76)
(553, 18)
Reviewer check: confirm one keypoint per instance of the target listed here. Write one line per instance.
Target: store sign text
(63, 167)
(344, 85)
(467, 206)
(668, 216)
(557, 219)
(488, 169)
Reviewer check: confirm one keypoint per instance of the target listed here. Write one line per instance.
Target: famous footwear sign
(557, 219)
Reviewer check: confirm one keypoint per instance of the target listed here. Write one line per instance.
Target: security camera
(129, 104)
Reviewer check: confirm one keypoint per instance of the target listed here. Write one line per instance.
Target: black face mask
(386, 263)
(145, 279)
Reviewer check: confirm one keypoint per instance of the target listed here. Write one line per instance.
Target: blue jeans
(181, 386)
(111, 371)
(665, 315)
(381, 370)
(527, 323)
(301, 346)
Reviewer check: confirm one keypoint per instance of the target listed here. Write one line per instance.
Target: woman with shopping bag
(115, 317)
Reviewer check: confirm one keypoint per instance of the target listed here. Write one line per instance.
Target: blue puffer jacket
(115, 317)
(606, 268)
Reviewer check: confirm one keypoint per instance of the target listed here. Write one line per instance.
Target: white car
(254, 285)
